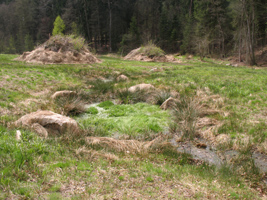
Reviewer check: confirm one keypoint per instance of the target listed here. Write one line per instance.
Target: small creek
(208, 154)
(213, 157)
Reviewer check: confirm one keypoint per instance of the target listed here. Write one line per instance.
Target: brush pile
(60, 50)
(149, 53)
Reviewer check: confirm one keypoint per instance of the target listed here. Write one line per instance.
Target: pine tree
(11, 46)
(59, 26)
(28, 42)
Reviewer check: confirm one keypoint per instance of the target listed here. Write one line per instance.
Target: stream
(212, 157)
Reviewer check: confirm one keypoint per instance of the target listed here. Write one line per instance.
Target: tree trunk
(190, 8)
(110, 25)
(86, 20)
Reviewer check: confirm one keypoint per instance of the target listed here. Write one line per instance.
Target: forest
(214, 28)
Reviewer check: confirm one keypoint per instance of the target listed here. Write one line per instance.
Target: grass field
(217, 101)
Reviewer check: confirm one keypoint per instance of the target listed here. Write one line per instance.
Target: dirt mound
(148, 54)
(60, 49)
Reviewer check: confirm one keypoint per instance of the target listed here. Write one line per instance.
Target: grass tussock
(70, 105)
(139, 95)
(185, 115)
(161, 96)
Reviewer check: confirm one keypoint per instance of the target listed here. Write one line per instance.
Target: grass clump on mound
(65, 43)
(151, 50)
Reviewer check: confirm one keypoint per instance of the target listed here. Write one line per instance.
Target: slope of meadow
(230, 103)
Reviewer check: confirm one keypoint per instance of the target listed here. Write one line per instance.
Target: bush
(65, 43)
(151, 50)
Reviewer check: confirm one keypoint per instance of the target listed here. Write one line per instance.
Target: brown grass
(126, 146)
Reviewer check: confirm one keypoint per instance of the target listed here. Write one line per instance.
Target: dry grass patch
(126, 146)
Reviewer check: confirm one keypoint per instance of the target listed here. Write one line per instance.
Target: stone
(40, 130)
(18, 135)
(63, 93)
(53, 123)
(142, 86)
(122, 78)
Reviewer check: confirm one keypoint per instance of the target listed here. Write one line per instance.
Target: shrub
(78, 42)
(151, 50)
(65, 43)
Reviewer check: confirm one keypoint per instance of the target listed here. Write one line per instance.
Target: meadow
(223, 106)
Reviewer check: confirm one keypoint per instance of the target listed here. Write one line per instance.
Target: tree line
(217, 28)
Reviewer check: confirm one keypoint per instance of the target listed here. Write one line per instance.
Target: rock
(64, 93)
(53, 123)
(18, 135)
(122, 78)
(142, 86)
(40, 130)
(168, 104)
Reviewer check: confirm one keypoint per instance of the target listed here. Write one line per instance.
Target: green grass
(55, 167)
(133, 120)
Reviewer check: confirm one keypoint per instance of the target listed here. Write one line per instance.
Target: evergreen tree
(29, 45)
(59, 26)
(11, 46)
